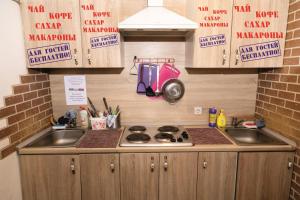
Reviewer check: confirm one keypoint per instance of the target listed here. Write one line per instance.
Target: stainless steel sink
(243, 136)
(58, 138)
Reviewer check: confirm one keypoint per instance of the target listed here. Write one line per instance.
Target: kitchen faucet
(235, 123)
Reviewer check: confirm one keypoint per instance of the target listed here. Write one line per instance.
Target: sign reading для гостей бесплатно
(49, 54)
(260, 51)
(213, 40)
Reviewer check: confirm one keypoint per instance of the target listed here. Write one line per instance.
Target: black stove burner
(164, 137)
(168, 129)
(138, 138)
(137, 129)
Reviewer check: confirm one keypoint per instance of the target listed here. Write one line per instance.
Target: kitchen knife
(93, 107)
(105, 103)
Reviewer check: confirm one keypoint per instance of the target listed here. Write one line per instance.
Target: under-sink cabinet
(264, 175)
(50, 177)
(157, 176)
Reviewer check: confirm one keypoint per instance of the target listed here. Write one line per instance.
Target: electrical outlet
(198, 110)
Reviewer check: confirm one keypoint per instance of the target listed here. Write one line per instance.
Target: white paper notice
(75, 89)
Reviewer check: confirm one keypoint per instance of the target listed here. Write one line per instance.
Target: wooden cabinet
(178, 176)
(139, 176)
(101, 41)
(52, 33)
(258, 33)
(264, 175)
(158, 176)
(209, 46)
(237, 33)
(216, 175)
(100, 176)
(50, 177)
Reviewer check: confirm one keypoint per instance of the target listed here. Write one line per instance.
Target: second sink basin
(244, 136)
(58, 138)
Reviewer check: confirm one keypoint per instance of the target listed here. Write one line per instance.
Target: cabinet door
(209, 47)
(258, 33)
(139, 176)
(216, 175)
(101, 40)
(100, 177)
(264, 176)
(178, 176)
(50, 177)
(52, 33)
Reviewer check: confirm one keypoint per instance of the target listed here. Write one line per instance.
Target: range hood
(157, 18)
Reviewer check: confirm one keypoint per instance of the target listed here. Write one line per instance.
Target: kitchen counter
(196, 148)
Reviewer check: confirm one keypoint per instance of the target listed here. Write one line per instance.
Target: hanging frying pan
(173, 90)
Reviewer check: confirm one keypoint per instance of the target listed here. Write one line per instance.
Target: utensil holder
(98, 123)
(116, 124)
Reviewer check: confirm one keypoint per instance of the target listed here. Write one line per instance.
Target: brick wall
(278, 93)
(27, 111)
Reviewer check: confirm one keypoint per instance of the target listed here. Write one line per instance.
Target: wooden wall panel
(131, 7)
(235, 93)
(177, 6)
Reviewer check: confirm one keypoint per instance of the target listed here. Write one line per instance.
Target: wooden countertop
(197, 148)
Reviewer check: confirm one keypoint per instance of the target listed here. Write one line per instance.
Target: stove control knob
(173, 140)
(179, 139)
(185, 135)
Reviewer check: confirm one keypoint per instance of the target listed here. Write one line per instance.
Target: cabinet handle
(237, 57)
(89, 57)
(224, 57)
(204, 164)
(290, 165)
(112, 167)
(75, 57)
(166, 163)
(152, 165)
(72, 166)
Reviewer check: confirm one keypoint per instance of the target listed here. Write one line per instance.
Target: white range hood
(157, 18)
